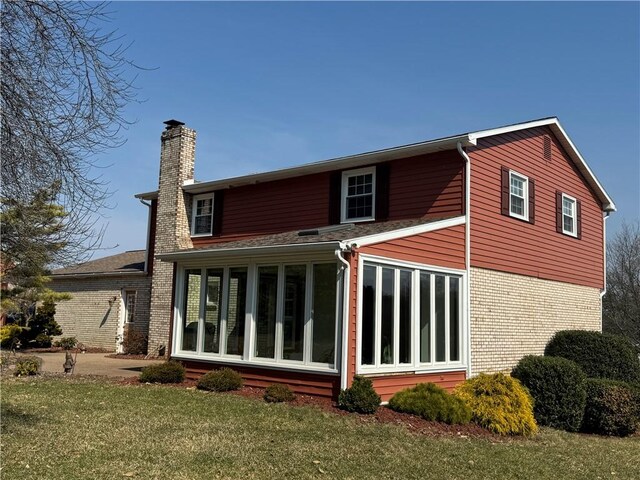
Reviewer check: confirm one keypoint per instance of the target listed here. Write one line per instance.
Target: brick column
(177, 160)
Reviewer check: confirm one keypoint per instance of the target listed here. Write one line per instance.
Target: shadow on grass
(13, 418)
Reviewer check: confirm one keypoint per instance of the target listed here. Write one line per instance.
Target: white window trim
(125, 299)
(343, 194)
(194, 205)
(525, 193)
(574, 218)
(416, 366)
(248, 357)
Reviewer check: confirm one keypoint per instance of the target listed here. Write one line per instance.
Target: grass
(77, 429)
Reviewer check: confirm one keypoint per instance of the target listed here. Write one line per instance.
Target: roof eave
(136, 273)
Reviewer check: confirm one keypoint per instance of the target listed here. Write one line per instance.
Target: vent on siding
(547, 148)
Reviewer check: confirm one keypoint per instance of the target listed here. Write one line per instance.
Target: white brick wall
(514, 315)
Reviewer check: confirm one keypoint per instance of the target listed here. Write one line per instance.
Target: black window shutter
(218, 208)
(505, 191)
(579, 219)
(558, 211)
(532, 201)
(335, 197)
(382, 192)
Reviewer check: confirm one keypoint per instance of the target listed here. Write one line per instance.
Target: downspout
(346, 277)
(146, 254)
(467, 248)
(604, 263)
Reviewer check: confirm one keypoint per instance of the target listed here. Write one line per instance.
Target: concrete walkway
(94, 364)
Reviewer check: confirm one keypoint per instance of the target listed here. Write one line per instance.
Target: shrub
(222, 380)
(42, 340)
(557, 386)
(360, 397)
(278, 393)
(67, 343)
(26, 366)
(613, 408)
(42, 326)
(499, 403)
(431, 402)
(9, 334)
(599, 355)
(135, 342)
(167, 372)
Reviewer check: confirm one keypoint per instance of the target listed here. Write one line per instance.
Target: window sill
(197, 235)
(357, 220)
(411, 370)
(569, 234)
(519, 217)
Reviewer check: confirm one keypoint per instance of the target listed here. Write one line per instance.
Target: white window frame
(343, 196)
(574, 217)
(127, 293)
(248, 357)
(415, 366)
(194, 209)
(525, 192)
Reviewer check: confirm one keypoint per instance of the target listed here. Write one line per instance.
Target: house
(109, 297)
(427, 262)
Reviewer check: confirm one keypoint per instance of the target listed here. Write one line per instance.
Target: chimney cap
(173, 123)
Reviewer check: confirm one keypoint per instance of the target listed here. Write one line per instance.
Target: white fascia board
(62, 276)
(405, 232)
(512, 128)
(251, 251)
(147, 195)
(352, 161)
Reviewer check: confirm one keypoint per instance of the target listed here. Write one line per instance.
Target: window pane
(440, 319)
(454, 319)
(130, 306)
(203, 224)
(191, 309)
(567, 224)
(293, 323)
(517, 186)
(324, 313)
(425, 317)
(266, 312)
(386, 321)
(517, 205)
(212, 311)
(368, 315)
(236, 310)
(405, 317)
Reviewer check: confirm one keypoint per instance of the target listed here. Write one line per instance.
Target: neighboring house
(427, 262)
(108, 296)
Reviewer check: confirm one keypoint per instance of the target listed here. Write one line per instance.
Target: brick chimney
(172, 232)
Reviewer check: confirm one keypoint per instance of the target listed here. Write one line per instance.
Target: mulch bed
(127, 356)
(384, 415)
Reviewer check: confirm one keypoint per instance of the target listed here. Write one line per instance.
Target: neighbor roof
(127, 263)
(378, 156)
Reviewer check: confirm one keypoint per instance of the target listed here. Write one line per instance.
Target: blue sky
(269, 85)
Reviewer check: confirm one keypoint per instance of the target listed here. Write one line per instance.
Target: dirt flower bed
(127, 356)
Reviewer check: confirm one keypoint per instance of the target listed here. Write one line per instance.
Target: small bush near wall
(167, 372)
(223, 380)
(278, 393)
(26, 366)
(135, 342)
(599, 355)
(613, 408)
(499, 403)
(558, 388)
(360, 397)
(67, 343)
(431, 403)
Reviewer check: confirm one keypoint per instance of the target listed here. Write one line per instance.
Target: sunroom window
(409, 318)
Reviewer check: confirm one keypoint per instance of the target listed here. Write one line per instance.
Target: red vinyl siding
(504, 243)
(388, 385)
(307, 383)
(443, 248)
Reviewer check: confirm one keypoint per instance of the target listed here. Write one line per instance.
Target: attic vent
(547, 148)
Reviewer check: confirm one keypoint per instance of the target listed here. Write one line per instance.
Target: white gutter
(467, 249)
(346, 276)
(604, 263)
(146, 254)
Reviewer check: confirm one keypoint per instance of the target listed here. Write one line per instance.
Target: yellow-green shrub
(499, 403)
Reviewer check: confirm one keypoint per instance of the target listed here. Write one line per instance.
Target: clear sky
(269, 85)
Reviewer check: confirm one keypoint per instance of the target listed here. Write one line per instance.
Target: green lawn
(68, 429)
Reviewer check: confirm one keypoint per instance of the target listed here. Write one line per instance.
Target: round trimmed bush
(26, 366)
(278, 393)
(499, 403)
(557, 386)
(360, 397)
(222, 380)
(167, 372)
(599, 355)
(613, 408)
(432, 403)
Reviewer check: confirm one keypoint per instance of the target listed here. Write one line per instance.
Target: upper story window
(358, 195)
(202, 215)
(569, 215)
(518, 196)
